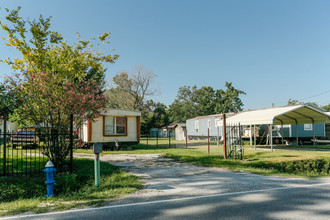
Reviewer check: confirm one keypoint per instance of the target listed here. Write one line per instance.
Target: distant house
(197, 128)
(180, 131)
(163, 131)
(11, 126)
(113, 126)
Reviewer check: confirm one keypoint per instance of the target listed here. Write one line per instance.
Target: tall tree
(228, 100)
(55, 79)
(192, 102)
(326, 107)
(131, 90)
(155, 116)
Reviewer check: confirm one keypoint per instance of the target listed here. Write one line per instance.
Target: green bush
(306, 167)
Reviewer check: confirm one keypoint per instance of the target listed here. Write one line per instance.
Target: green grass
(282, 162)
(27, 194)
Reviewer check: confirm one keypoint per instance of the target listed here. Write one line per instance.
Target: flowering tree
(49, 101)
(57, 79)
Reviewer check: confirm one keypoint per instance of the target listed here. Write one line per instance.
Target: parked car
(24, 138)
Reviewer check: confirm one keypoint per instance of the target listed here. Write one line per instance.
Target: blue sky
(272, 50)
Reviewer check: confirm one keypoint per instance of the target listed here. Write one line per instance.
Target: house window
(196, 126)
(217, 123)
(115, 125)
(308, 127)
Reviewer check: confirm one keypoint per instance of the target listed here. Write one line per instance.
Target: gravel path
(166, 179)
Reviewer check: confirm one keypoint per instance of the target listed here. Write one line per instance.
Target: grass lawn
(27, 194)
(283, 161)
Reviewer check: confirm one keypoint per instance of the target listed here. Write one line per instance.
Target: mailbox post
(97, 148)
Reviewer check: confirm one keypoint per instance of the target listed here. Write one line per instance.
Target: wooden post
(71, 143)
(224, 136)
(186, 138)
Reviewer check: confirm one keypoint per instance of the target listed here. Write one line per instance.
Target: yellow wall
(97, 131)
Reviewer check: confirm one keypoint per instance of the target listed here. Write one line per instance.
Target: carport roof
(300, 114)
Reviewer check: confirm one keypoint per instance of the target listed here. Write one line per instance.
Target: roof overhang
(295, 114)
(119, 112)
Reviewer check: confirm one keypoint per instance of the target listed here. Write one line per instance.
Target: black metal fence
(25, 152)
(161, 141)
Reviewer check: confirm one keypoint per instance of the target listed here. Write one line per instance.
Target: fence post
(169, 138)
(4, 144)
(71, 143)
(208, 140)
(224, 136)
(186, 139)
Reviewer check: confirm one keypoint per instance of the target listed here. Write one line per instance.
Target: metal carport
(286, 115)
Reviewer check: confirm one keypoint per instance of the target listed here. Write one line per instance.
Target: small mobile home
(121, 127)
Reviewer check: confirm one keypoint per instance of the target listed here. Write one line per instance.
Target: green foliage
(9, 101)
(131, 90)
(192, 102)
(16, 192)
(13, 188)
(45, 50)
(326, 107)
(154, 116)
(56, 79)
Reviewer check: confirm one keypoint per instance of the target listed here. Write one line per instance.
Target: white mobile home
(197, 128)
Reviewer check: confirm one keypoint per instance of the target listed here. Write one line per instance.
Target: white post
(271, 136)
(250, 135)
(313, 133)
(255, 139)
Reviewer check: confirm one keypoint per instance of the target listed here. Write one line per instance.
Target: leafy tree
(192, 102)
(56, 79)
(228, 100)
(8, 99)
(294, 102)
(326, 107)
(155, 117)
(130, 91)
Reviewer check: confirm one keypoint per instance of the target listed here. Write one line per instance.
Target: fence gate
(234, 142)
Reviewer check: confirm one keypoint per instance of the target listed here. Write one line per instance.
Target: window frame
(114, 135)
(307, 128)
(197, 126)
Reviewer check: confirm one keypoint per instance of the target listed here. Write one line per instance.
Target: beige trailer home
(114, 127)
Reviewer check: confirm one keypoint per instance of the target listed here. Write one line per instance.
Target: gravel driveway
(166, 179)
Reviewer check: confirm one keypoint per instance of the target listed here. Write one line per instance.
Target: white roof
(119, 112)
(301, 114)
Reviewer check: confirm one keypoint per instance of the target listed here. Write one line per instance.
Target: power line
(314, 95)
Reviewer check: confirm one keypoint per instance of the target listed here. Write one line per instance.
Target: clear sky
(273, 50)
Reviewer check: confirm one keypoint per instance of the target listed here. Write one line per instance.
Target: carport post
(296, 134)
(313, 133)
(255, 139)
(282, 131)
(224, 136)
(250, 135)
(271, 136)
